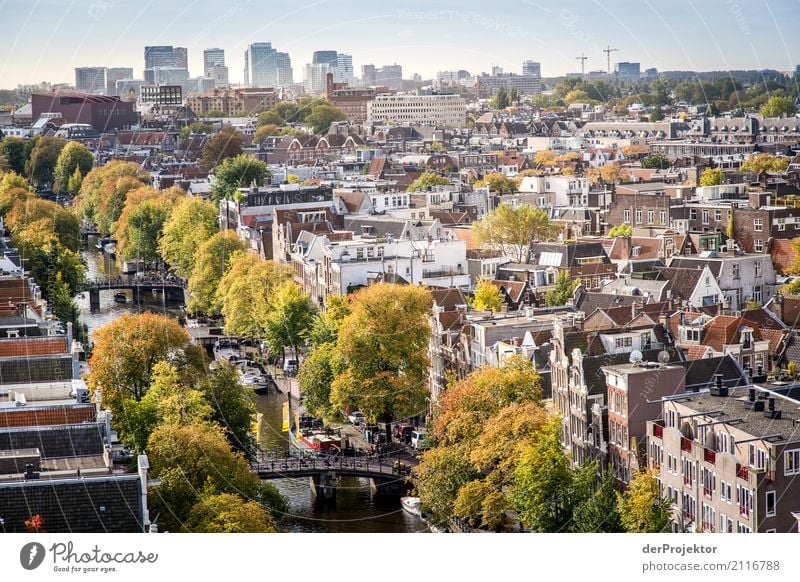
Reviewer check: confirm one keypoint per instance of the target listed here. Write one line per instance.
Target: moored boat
(412, 505)
(120, 297)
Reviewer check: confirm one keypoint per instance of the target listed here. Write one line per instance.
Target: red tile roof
(33, 346)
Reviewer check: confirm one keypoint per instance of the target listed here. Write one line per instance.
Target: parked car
(417, 438)
(290, 367)
(356, 417)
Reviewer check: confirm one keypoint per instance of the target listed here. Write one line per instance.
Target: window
(650, 214)
(772, 502)
(705, 216)
(693, 214)
(672, 417)
(688, 471)
(370, 252)
(757, 294)
(758, 268)
(708, 517)
(745, 499)
(638, 216)
(735, 270)
(744, 529)
(627, 215)
(663, 217)
(791, 462)
(380, 251)
(781, 224)
(725, 491)
(360, 253)
(709, 482)
(718, 215)
(758, 246)
(758, 224)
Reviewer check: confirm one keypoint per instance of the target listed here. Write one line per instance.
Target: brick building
(102, 112)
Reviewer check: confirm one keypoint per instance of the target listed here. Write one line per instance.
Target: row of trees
(193, 425)
(496, 453)
(47, 161)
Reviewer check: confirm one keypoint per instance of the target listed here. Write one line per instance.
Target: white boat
(255, 381)
(412, 505)
(227, 350)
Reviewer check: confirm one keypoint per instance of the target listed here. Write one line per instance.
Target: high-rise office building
(328, 57)
(166, 56)
(314, 77)
(266, 67)
(532, 68)
(219, 75)
(114, 74)
(368, 73)
(344, 69)
(390, 76)
(628, 71)
(213, 57)
(90, 79)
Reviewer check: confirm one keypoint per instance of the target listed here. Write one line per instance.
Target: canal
(356, 509)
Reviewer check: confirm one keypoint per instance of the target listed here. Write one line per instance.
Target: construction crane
(608, 50)
(582, 59)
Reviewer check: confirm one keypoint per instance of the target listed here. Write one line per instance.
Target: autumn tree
(563, 291)
(42, 161)
(426, 181)
(263, 132)
(497, 182)
(500, 99)
(211, 261)
(104, 191)
(642, 509)
(240, 171)
(487, 296)
(322, 116)
(246, 294)
(325, 328)
(544, 158)
(621, 230)
(225, 144)
(765, 163)
(317, 373)
(711, 177)
(42, 217)
(125, 352)
(514, 229)
(191, 222)
(231, 406)
(74, 156)
(141, 223)
(777, 106)
(229, 513)
(289, 320)
(383, 344)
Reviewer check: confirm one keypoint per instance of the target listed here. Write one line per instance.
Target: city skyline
(422, 39)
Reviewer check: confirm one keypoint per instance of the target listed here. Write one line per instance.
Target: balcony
(686, 444)
(744, 511)
(710, 456)
(742, 472)
(687, 479)
(708, 492)
(658, 431)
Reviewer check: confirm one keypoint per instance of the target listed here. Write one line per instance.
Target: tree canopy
(563, 291)
(74, 157)
(514, 229)
(487, 296)
(41, 163)
(778, 106)
(621, 230)
(141, 223)
(765, 163)
(497, 182)
(711, 177)
(191, 222)
(211, 261)
(227, 143)
(428, 180)
(240, 171)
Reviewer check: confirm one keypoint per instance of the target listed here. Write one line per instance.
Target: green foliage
(141, 223)
(327, 323)
(237, 172)
(316, 374)
(655, 162)
(75, 157)
(232, 408)
(497, 182)
(563, 290)
(41, 163)
(711, 177)
(211, 261)
(729, 230)
(621, 230)
(64, 307)
(190, 223)
(777, 106)
(765, 163)
(221, 146)
(13, 148)
(322, 116)
(197, 128)
(513, 95)
(514, 229)
(577, 96)
(289, 321)
(500, 99)
(428, 180)
(641, 507)
(104, 191)
(74, 182)
(597, 511)
(228, 513)
(487, 296)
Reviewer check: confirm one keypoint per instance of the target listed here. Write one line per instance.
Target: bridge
(171, 287)
(388, 476)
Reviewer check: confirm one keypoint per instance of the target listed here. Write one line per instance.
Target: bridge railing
(365, 465)
(134, 281)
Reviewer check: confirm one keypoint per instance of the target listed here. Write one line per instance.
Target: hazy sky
(46, 39)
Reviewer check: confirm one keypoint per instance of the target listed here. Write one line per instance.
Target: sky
(44, 40)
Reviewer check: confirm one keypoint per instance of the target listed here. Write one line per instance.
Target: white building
(561, 190)
(315, 78)
(418, 109)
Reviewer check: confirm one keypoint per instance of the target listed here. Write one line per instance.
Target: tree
(599, 512)
(500, 100)
(427, 181)
(246, 294)
(440, 476)
(514, 229)
(655, 162)
(563, 290)
(765, 163)
(497, 182)
(104, 191)
(74, 182)
(641, 507)
(191, 461)
(191, 222)
(288, 322)
(656, 115)
(316, 374)
(777, 106)
(711, 177)
(327, 323)
(729, 230)
(487, 296)
(237, 172)
(232, 408)
(197, 128)
(514, 96)
(541, 484)
(263, 132)
(322, 116)
(621, 230)
(225, 144)
(228, 513)
(125, 352)
(383, 345)
(42, 161)
(74, 157)
(64, 307)
(577, 96)
(211, 261)
(42, 217)
(141, 224)
(544, 158)
(13, 148)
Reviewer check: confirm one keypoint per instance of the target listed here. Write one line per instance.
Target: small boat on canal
(120, 297)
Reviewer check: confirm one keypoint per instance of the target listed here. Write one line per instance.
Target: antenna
(582, 59)
(608, 50)
(636, 357)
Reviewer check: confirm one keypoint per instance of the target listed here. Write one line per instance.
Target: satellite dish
(636, 357)
(663, 357)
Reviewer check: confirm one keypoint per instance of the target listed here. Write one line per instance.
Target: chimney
(778, 309)
(753, 403)
(771, 412)
(719, 388)
(143, 466)
(731, 246)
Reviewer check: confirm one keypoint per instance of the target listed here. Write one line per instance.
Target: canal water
(356, 509)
